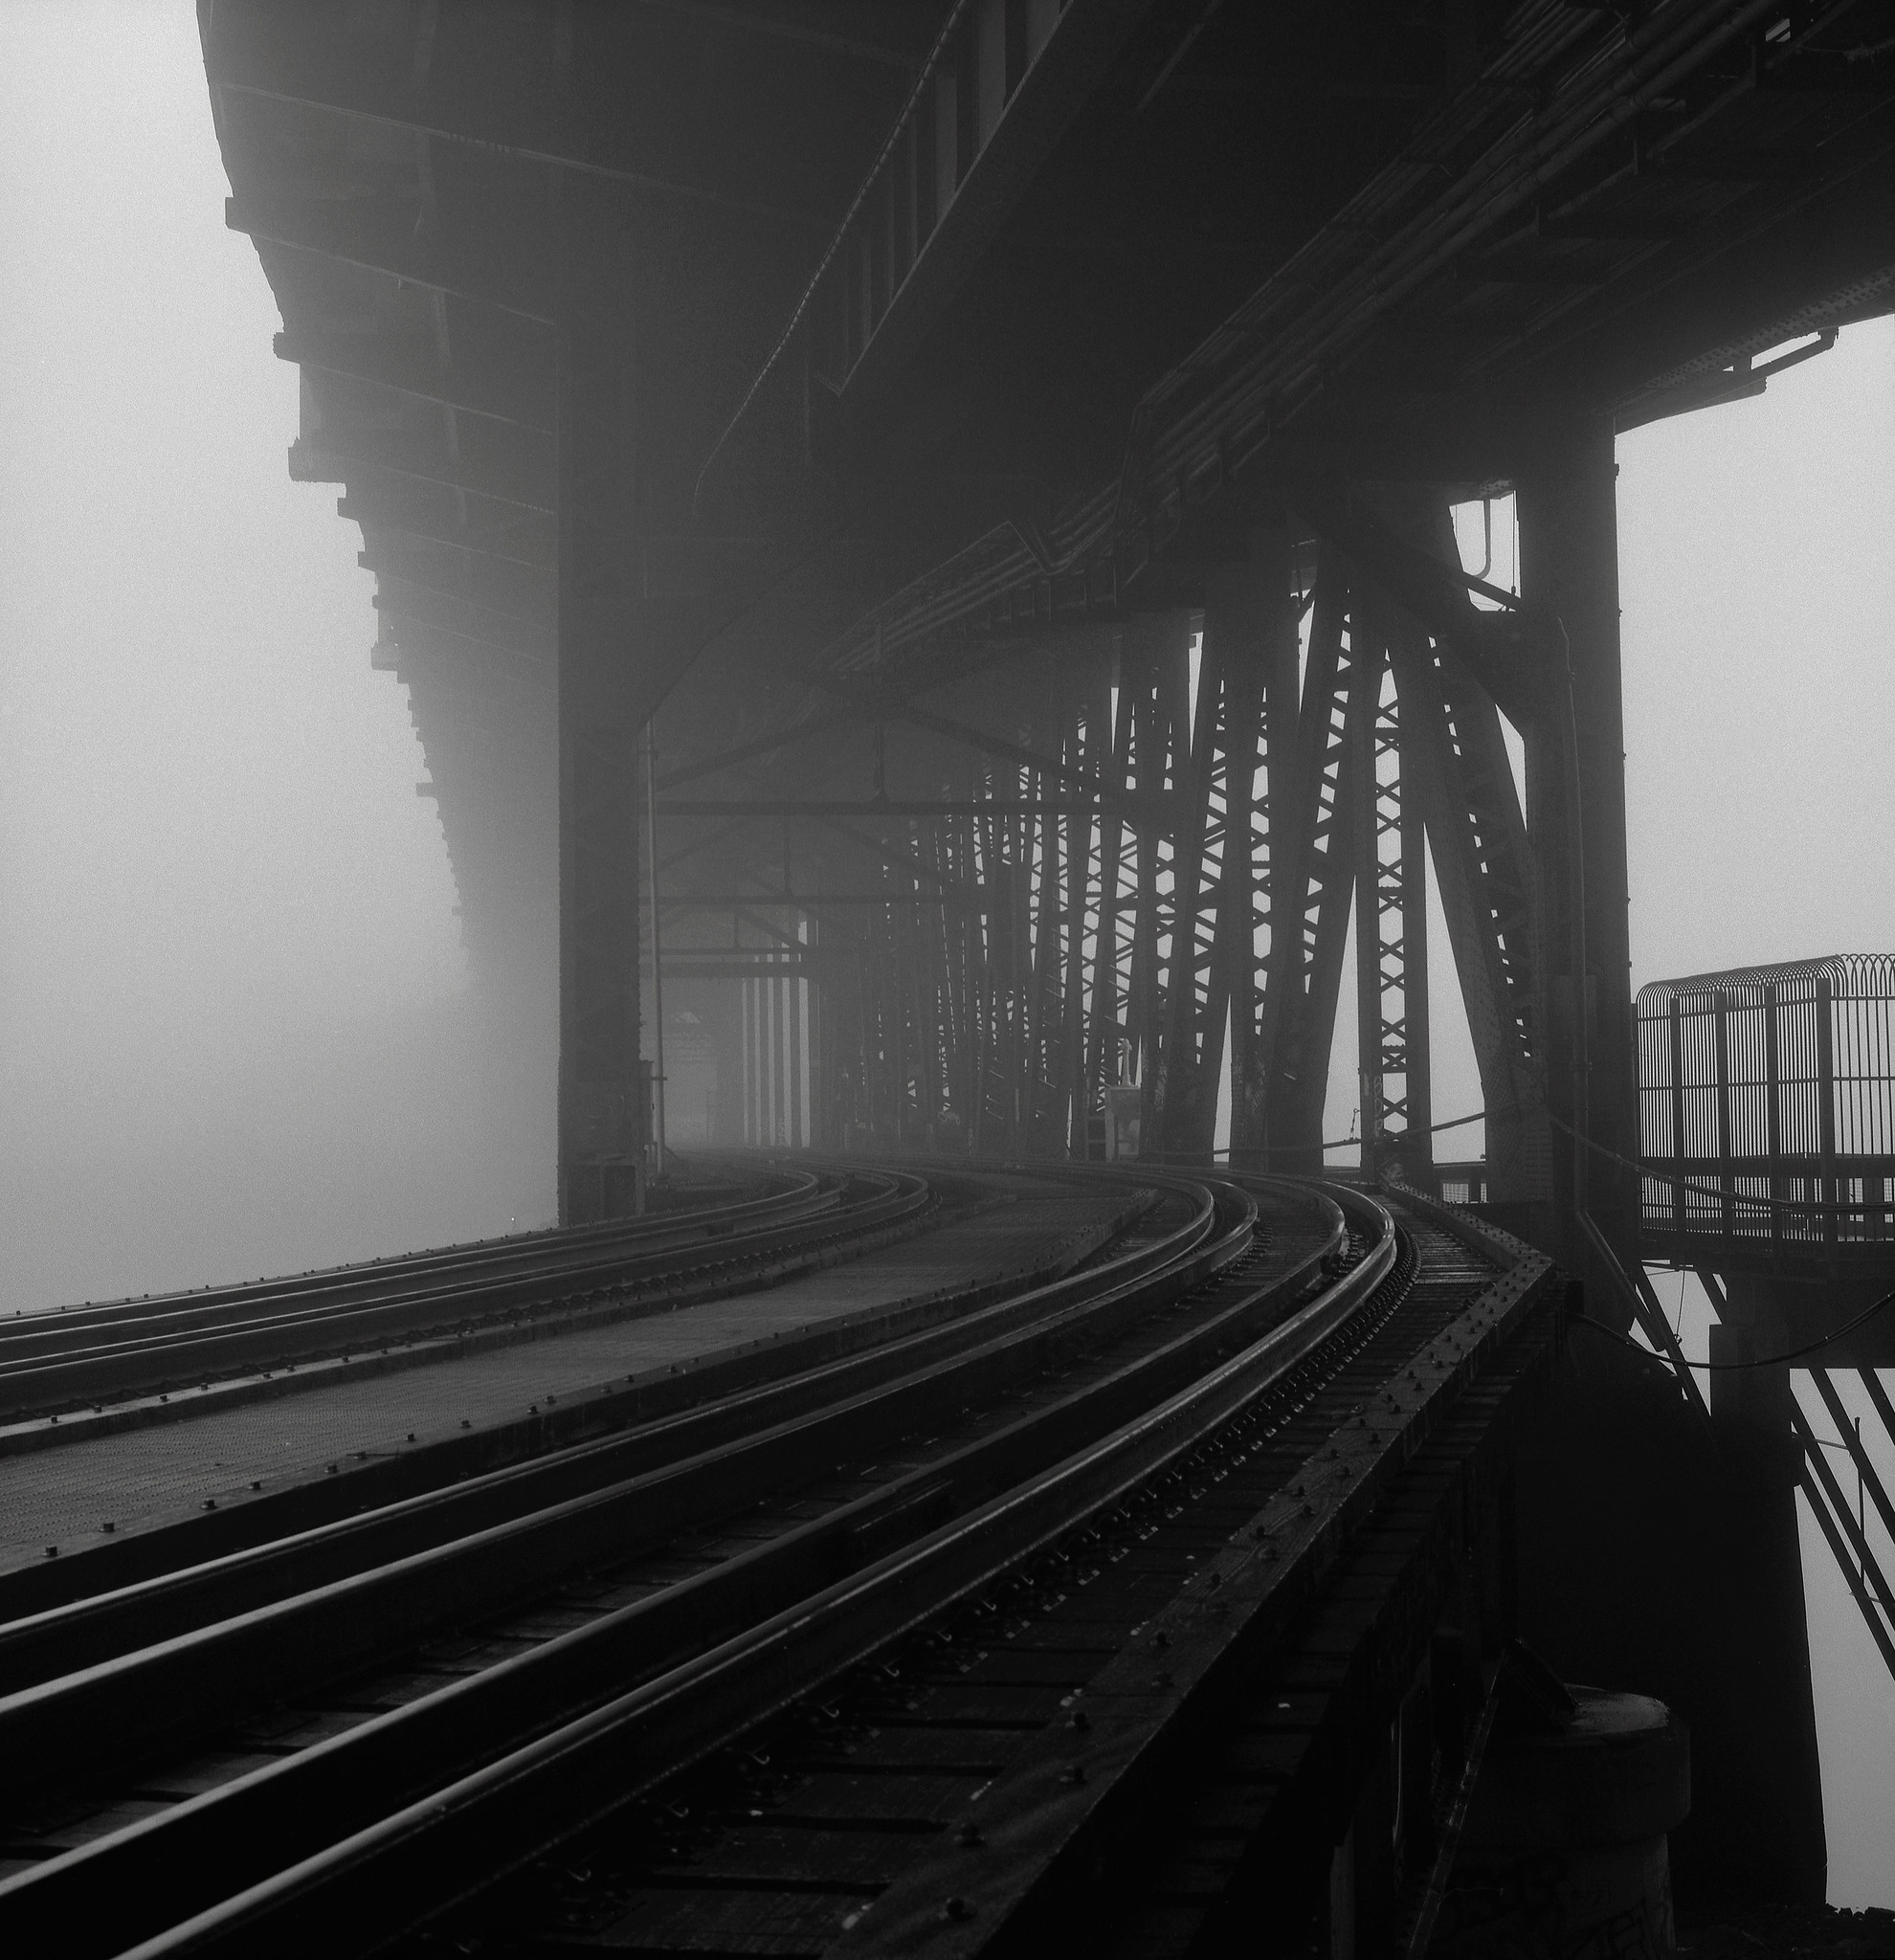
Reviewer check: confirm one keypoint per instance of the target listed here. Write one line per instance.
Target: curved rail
(84, 1358)
(781, 1614)
(519, 1526)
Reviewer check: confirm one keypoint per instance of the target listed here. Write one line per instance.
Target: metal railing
(1767, 1109)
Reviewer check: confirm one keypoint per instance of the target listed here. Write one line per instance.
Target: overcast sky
(234, 1030)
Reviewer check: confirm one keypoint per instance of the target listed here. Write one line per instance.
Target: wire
(1680, 1183)
(1725, 1367)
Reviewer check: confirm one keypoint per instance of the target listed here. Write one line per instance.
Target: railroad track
(166, 1351)
(318, 1742)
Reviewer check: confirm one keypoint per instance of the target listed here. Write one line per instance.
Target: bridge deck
(148, 1478)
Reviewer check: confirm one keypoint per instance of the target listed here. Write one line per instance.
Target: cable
(1680, 1183)
(1725, 1367)
(1334, 1144)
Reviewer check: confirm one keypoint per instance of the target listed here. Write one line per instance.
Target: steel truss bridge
(920, 542)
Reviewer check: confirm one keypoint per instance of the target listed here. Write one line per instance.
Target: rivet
(1073, 1773)
(411, 1435)
(108, 1525)
(52, 1551)
(955, 1908)
(256, 1483)
(1079, 1719)
(969, 1837)
(209, 1504)
(465, 1424)
(332, 1469)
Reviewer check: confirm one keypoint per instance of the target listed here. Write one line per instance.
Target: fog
(236, 1033)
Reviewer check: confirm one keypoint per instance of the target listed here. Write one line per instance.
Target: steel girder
(1180, 934)
(602, 1115)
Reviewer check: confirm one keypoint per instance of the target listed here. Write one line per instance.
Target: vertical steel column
(1246, 614)
(1779, 1187)
(1271, 871)
(1681, 1221)
(1158, 650)
(1089, 756)
(1391, 914)
(794, 992)
(1569, 567)
(1295, 1031)
(1418, 1055)
(1721, 1050)
(602, 1128)
(1364, 705)
(1104, 1047)
(1185, 1084)
(1825, 1033)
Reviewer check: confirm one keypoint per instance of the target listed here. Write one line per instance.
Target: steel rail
(71, 1335)
(142, 1362)
(23, 1331)
(1259, 1618)
(642, 1401)
(92, 1630)
(1026, 1477)
(62, 1728)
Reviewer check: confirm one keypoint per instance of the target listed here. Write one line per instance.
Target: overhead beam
(292, 56)
(391, 507)
(398, 600)
(502, 585)
(345, 455)
(1508, 652)
(398, 627)
(506, 266)
(519, 391)
(801, 901)
(974, 806)
(782, 23)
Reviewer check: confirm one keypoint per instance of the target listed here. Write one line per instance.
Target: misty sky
(235, 1034)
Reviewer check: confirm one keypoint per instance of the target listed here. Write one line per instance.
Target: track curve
(735, 1558)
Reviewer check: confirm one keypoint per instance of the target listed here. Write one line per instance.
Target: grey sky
(235, 1033)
